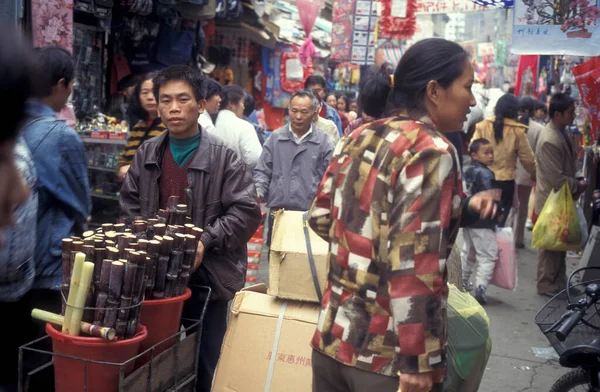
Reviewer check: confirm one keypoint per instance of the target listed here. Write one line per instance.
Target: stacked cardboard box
(267, 345)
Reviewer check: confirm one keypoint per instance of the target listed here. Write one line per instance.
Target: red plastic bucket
(162, 318)
(69, 373)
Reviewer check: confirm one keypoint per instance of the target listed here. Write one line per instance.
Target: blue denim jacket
(332, 115)
(478, 178)
(64, 202)
(17, 266)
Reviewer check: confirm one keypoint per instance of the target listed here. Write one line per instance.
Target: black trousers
(506, 202)
(213, 333)
(18, 328)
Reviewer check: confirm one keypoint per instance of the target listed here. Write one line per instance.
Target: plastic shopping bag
(558, 228)
(469, 342)
(583, 224)
(505, 272)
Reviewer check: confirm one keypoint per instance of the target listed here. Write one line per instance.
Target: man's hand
(485, 203)
(123, 172)
(422, 382)
(199, 256)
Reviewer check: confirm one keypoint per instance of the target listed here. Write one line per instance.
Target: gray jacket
(287, 174)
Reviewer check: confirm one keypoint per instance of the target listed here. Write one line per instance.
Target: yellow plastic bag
(557, 227)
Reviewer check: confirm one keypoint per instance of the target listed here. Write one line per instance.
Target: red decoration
(289, 85)
(393, 27)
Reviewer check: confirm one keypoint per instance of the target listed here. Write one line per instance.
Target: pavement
(513, 366)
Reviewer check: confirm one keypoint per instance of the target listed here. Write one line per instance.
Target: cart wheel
(575, 380)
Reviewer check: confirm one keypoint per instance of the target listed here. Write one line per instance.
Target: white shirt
(299, 140)
(240, 135)
(206, 122)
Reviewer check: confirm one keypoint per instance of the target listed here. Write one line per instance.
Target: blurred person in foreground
(145, 123)
(510, 143)
(18, 203)
(556, 156)
(523, 179)
(189, 162)
(390, 205)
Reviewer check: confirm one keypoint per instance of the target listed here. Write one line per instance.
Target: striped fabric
(138, 135)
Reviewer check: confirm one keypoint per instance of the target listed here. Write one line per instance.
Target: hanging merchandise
(308, 11)
(446, 6)
(292, 73)
(52, 24)
(496, 3)
(526, 76)
(175, 44)
(398, 19)
(141, 7)
(341, 29)
(363, 32)
(587, 76)
(556, 27)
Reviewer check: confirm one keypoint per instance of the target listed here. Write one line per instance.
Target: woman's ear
(432, 91)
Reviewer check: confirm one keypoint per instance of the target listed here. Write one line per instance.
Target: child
(479, 238)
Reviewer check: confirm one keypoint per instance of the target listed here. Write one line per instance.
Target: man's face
(485, 154)
(569, 116)
(301, 114)
(178, 108)
(61, 93)
(213, 104)
(13, 190)
(319, 90)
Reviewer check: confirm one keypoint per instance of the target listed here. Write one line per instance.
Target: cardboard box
(248, 348)
(289, 270)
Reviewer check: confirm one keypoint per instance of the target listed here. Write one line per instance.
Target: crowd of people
(382, 183)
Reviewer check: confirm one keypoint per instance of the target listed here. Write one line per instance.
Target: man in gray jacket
(294, 159)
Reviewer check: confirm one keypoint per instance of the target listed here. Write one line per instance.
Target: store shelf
(104, 169)
(104, 141)
(105, 197)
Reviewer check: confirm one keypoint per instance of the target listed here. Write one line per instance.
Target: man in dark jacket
(190, 163)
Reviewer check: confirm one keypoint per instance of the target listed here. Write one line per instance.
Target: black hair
(183, 73)
(506, 107)
(127, 81)
(560, 103)
(135, 111)
(249, 105)
(210, 88)
(231, 94)
(476, 145)
(55, 63)
(346, 101)
(330, 94)
(540, 105)
(307, 94)
(427, 60)
(374, 87)
(17, 72)
(315, 79)
(526, 105)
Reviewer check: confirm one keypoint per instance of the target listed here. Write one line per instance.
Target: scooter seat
(582, 355)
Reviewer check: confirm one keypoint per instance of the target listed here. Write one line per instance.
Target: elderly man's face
(301, 114)
(13, 190)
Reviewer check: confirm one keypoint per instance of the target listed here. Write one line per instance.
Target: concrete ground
(513, 366)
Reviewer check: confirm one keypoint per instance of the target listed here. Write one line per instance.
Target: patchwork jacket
(389, 204)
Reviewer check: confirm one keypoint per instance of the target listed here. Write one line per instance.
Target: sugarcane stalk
(88, 312)
(139, 229)
(180, 213)
(121, 329)
(113, 253)
(153, 248)
(67, 248)
(115, 284)
(64, 289)
(140, 276)
(100, 312)
(171, 283)
(172, 230)
(132, 327)
(162, 216)
(197, 232)
(106, 227)
(89, 241)
(123, 242)
(182, 281)
(99, 255)
(143, 245)
(74, 288)
(172, 207)
(110, 316)
(90, 329)
(74, 238)
(82, 292)
(163, 264)
(98, 242)
(89, 233)
(104, 280)
(119, 227)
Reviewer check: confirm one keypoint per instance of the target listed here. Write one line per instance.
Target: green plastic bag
(469, 342)
(557, 228)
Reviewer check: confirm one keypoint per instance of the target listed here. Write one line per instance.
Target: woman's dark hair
(315, 79)
(374, 87)
(539, 105)
(527, 106)
(346, 101)
(430, 59)
(476, 145)
(231, 94)
(249, 105)
(135, 111)
(193, 77)
(507, 107)
(329, 95)
(55, 63)
(211, 87)
(17, 72)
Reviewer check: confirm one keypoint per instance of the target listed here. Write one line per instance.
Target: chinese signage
(444, 6)
(556, 27)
